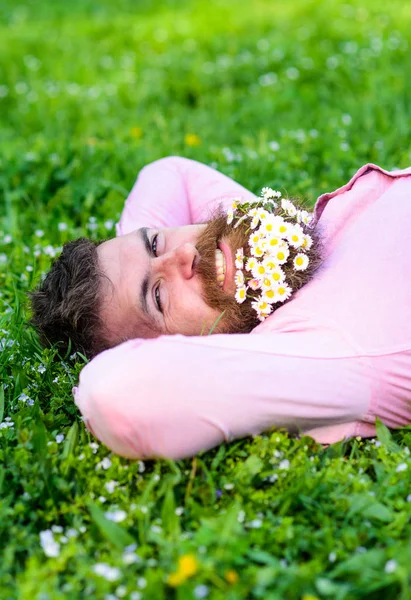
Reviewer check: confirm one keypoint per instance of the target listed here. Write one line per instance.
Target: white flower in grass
(254, 284)
(250, 264)
(109, 573)
(241, 294)
(117, 515)
(401, 467)
(301, 262)
(308, 241)
(284, 291)
(239, 258)
(111, 486)
(390, 566)
(239, 278)
(296, 236)
(50, 547)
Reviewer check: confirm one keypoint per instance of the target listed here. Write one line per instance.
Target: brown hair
(66, 303)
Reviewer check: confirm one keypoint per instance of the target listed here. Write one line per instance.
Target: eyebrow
(144, 286)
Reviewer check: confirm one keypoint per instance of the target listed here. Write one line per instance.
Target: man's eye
(158, 298)
(154, 244)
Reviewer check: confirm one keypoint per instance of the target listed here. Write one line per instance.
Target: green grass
(296, 95)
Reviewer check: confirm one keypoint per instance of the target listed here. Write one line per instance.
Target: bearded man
(327, 361)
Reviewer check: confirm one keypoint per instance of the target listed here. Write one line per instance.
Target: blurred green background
(292, 94)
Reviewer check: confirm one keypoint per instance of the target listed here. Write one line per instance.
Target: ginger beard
(237, 318)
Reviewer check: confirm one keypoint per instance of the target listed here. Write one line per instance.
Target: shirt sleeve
(175, 396)
(176, 191)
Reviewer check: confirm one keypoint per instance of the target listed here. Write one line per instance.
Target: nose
(181, 259)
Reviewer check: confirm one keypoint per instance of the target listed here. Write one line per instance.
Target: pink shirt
(326, 364)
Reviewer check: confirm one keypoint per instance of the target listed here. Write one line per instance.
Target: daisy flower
(262, 307)
(284, 229)
(269, 263)
(269, 194)
(241, 294)
(288, 207)
(258, 251)
(284, 291)
(308, 241)
(272, 243)
(239, 258)
(239, 279)
(301, 262)
(250, 264)
(281, 255)
(230, 216)
(254, 284)
(266, 283)
(270, 295)
(296, 236)
(303, 216)
(277, 275)
(254, 239)
(259, 270)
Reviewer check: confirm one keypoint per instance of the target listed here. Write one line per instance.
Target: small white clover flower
(59, 438)
(50, 547)
(111, 486)
(401, 467)
(109, 573)
(117, 515)
(390, 566)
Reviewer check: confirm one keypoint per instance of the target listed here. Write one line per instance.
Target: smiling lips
(220, 266)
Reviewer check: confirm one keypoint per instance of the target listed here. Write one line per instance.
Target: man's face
(168, 281)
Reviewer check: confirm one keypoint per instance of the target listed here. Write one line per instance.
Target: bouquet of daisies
(270, 269)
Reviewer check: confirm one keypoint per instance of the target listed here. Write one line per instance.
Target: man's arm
(176, 191)
(176, 396)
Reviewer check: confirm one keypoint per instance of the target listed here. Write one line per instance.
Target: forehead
(123, 262)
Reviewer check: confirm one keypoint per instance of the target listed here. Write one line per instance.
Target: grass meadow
(293, 94)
